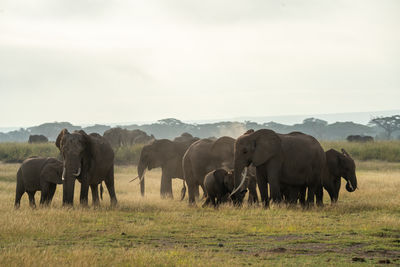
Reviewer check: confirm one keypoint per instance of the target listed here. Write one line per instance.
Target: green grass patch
(378, 150)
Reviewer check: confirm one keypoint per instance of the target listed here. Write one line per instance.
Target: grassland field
(362, 229)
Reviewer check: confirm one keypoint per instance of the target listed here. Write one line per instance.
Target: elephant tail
(187, 173)
(183, 191)
(101, 190)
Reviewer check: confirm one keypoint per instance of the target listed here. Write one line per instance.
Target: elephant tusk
(63, 174)
(142, 177)
(351, 186)
(134, 179)
(244, 174)
(79, 172)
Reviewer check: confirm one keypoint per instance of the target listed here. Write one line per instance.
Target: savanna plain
(363, 228)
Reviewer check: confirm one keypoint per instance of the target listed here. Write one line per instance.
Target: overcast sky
(123, 61)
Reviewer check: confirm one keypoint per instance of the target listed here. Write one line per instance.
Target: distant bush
(379, 150)
(18, 152)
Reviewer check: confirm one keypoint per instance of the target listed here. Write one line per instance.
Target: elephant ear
(164, 150)
(265, 144)
(335, 161)
(52, 171)
(87, 139)
(60, 137)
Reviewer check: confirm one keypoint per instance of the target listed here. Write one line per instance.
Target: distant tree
(170, 121)
(313, 126)
(389, 124)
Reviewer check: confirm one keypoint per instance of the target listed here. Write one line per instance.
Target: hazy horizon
(90, 62)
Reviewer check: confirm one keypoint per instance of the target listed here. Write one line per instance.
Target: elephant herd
(286, 167)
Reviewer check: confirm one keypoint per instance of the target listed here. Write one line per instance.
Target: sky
(120, 61)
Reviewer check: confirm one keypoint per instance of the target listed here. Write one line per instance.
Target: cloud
(102, 61)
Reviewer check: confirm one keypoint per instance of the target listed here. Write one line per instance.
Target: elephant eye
(244, 151)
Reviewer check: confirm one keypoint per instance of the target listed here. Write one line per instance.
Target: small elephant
(38, 174)
(218, 184)
(339, 165)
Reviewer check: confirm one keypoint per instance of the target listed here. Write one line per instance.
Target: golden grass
(151, 231)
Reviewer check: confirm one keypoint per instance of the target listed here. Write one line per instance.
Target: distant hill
(170, 128)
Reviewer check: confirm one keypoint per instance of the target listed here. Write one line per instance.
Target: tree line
(379, 128)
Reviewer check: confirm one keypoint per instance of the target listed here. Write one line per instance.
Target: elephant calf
(339, 165)
(218, 184)
(38, 174)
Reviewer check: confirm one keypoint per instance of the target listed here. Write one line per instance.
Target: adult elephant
(119, 137)
(204, 156)
(168, 155)
(37, 138)
(293, 159)
(88, 158)
(339, 165)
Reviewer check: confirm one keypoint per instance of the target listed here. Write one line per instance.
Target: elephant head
(75, 149)
(339, 165)
(253, 147)
(348, 171)
(52, 171)
(153, 156)
(229, 181)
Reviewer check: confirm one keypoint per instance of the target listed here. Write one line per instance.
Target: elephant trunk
(351, 184)
(72, 169)
(68, 191)
(141, 172)
(240, 173)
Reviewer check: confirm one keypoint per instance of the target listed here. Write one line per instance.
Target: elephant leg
(166, 186)
(207, 202)
(213, 202)
(196, 191)
(204, 191)
(183, 190)
(310, 196)
(95, 194)
(84, 194)
(110, 187)
(44, 193)
(263, 187)
(302, 196)
(273, 180)
(253, 198)
(50, 195)
(31, 195)
(43, 197)
(19, 191)
(319, 192)
(192, 192)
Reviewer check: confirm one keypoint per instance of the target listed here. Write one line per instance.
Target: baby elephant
(339, 165)
(38, 174)
(218, 184)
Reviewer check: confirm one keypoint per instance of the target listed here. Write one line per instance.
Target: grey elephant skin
(339, 165)
(218, 184)
(88, 159)
(37, 138)
(119, 137)
(38, 174)
(168, 155)
(202, 157)
(293, 159)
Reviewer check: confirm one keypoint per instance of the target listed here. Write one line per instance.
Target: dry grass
(150, 231)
